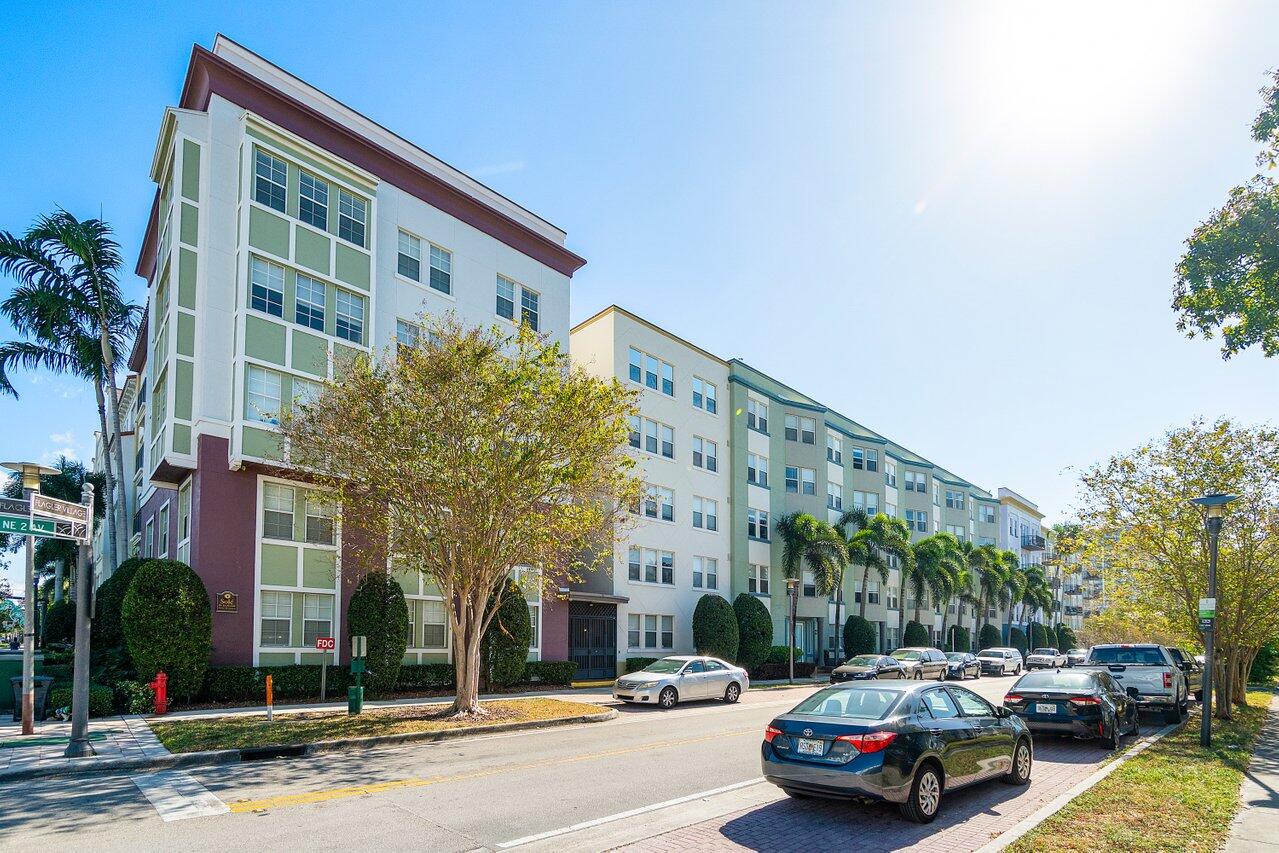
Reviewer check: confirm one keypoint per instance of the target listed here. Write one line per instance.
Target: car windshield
(1044, 652)
(1126, 654)
(857, 704)
(1055, 678)
(900, 655)
(666, 666)
(863, 660)
(955, 656)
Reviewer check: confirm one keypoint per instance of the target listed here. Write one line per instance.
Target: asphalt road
(455, 795)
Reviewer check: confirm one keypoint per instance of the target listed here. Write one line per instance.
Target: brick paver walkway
(969, 818)
(111, 738)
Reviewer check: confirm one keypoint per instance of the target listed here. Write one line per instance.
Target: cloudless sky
(953, 222)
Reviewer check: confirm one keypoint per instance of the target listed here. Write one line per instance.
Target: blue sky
(956, 223)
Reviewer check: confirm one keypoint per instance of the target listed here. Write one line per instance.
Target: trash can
(42, 685)
(354, 700)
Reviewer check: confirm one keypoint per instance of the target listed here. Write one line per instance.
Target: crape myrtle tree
(472, 452)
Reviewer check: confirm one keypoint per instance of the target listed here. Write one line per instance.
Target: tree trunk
(861, 610)
(944, 608)
(466, 665)
(110, 558)
(113, 412)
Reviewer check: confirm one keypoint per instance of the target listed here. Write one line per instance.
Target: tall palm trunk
(944, 614)
(861, 610)
(110, 534)
(113, 412)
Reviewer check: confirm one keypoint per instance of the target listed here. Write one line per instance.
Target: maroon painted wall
(150, 510)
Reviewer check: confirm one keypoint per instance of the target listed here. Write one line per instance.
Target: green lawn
(237, 732)
(1174, 796)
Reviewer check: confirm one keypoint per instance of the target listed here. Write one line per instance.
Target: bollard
(270, 699)
(161, 688)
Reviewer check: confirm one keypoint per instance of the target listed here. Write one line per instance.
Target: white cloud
(67, 437)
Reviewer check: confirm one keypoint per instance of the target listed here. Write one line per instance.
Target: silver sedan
(682, 678)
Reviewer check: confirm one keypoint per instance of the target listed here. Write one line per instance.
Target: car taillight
(771, 732)
(1012, 697)
(870, 742)
(1085, 700)
(1167, 679)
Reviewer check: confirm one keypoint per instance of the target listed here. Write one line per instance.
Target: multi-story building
(288, 233)
(127, 491)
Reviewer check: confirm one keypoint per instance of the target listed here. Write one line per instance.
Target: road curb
(1049, 809)
(177, 761)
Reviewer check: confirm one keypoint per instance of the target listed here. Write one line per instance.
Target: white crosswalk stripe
(176, 795)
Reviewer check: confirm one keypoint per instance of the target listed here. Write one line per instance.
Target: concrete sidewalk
(114, 739)
(1256, 827)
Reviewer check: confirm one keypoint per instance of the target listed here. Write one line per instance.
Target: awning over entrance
(597, 597)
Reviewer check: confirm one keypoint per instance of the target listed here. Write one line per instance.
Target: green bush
(248, 683)
(134, 697)
(989, 638)
(1041, 637)
(231, 684)
(167, 625)
(504, 646)
(754, 630)
(426, 676)
(959, 640)
(715, 627)
(1265, 666)
(636, 664)
(58, 672)
(860, 637)
(101, 700)
(915, 635)
(1017, 640)
(558, 672)
(59, 622)
(781, 654)
(107, 630)
(774, 671)
(378, 611)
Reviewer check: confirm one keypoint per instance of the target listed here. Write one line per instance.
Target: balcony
(1074, 590)
(1074, 611)
(1032, 542)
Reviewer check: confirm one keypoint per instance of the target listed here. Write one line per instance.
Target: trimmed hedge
(989, 638)
(1066, 638)
(1040, 637)
(1017, 640)
(754, 630)
(780, 654)
(379, 612)
(860, 637)
(959, 638)
(59, 622)
(772, 671)
(559, 672)
(715, 627)
(426, 676)
(636, 664)
(168, 625)
(101, 700)
(107, 631)
(915, 635)
(504, 646)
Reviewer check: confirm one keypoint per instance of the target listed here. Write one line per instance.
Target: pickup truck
(1192, 670)
(1147, 672)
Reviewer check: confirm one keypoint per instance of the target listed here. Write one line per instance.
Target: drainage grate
(268, 753)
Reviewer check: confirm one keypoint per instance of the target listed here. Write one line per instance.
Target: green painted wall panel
(311, 250)
(190, 170)
(186, 334)
(261, 443)
(181, 438)
(315, 659)
(310, 354)
(319, 568)
(275, 659)
(264, 339)
(190, 228)
(352, 266)
(185, 373)
(343, 356)
(296, 633)
(279, 564)
(186, 278)
(268, 232)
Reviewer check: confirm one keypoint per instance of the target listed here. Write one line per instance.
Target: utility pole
(79, 746)
(1216, 506)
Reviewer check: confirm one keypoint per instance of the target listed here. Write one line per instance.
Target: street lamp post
(30, 472)
(1216, 506)
(792, 588)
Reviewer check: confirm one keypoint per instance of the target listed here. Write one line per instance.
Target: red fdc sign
(325, 644)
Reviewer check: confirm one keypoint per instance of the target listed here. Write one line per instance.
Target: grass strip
(248, 730)
(1174, 796)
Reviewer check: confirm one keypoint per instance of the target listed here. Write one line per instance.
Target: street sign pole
(79, 746)
(29, 637)
(1205, 724)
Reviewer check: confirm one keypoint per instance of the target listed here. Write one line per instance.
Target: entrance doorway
(592, 632)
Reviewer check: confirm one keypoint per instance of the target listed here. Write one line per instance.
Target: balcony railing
(1074, 590)
(1032, 542)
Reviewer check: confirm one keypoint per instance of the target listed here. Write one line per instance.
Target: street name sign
(15, 506)
(65, 510)
(25, 525)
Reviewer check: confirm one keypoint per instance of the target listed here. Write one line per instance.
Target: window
(319, 519)
(266, 287)
(658, 631)
(791, 427)
(808, 481)
(505, 297)
(406, 333)
(350, 317)
(313, 201)
(791, 478)
(936, 494)
(703, 395)
(890, 474)
(834, 496)
(872, 593)
(263, 401)
(810, 584)
(705, 573)
(534, 623)
(657, 438)
(650, 566)
(651, 372)
(955, 500)
(163, 550)
(305, 393)
(409, 260)
(633, 630)
(668, 632)
(705, 514)
(434, 625)
(917, 520)
(757, 524)
(872, 461)
(939, 705)
(277, 618)
(757, 579)
(277, 511)
(859, 458)
(834, 449)
(868, 501)
(916, 482)
(442, 273)
(705, 453)
(890, 510)
(184, 522)
(957, 530)
(309, 298)
(659, 503)
(317, 618)
(987, 514)
(807, 431)
(529, 307)
(757, 415)
(351, 218)
(757, 470)
(271, 182)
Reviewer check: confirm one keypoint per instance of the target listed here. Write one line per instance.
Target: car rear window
(859, 703)
(1055, 678)
(1148, 656)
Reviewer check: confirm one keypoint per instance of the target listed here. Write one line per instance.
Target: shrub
(1017, 640)
(772, 671)
(426, 676)
(60, 672)
(1265, 666)
(959, 640)
(231, 684)
(915, 635)
(558, 672)
(781, 654)
(1040, 636)
(167, 625)
(989, 637)
(101, 700)
(107, 632)
(504, 646)
(860, 637)
(636, 664)
(715, 627)
(248, 683)
(378, 612)
(754, 630)
(1066, 638)
(134, 697)
(59, 622)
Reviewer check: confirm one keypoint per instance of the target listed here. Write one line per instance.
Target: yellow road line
(306, 798)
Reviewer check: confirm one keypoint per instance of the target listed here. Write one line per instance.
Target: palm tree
(1014, 584)
(990, 582)
(938, 562)
(812, 544)
(868, 542)
(69, 295)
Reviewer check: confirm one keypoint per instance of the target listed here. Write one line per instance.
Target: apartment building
(288, 233)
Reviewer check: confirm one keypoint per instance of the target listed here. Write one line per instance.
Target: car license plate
(810, 747)
(1045, 707)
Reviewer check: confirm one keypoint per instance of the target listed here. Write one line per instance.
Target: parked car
(868, 667)
(1147, 673)
(1000, 661)
(899, 741)
(922, 662)
(1045, 658)
(960, 664)
(682, 678)
(1085, 704)
(1076, 656)
(1192, 670)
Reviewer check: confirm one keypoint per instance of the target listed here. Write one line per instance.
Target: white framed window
(263, 401)
(313, 201)
(791, 424)
(757, 579)
(277, 618)
(651, 436)
(530, 312)
(277, 511)
(958, 531)
(704, 395)
(705, 514)
(705, 573)
(310, 297)
(890, 510)
(834, 449)
(757, 469)
(834, 496)
(705, 454)
(535, 625)
(408, 261)
(650, 371)
(659, 502)
(352, 215)
(163, 551)
(872, 461)
(916, 482)
(987, 514)
(757, 414)
(808, 481)
(529, 301)
(266, 287)
(917, 520)
(757, 524)
(350, 317)
(184, 522)
(406, 333)
(442, 270)
(807, 431)
(319, 518)
(505, 297)
(305, 393)
(809, 583)
(650, 631)
(317, 618)
(859, 458)
(890, 474)
(868, 501)
(270, 180)
(434, 625)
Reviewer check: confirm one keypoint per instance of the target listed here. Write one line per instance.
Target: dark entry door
(593, 639)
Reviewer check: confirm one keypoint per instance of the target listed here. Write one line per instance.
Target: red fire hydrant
(161, 687)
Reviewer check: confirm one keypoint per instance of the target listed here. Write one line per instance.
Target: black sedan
(868, 667)
(960, 664)
(1069, 702)
(900, 741)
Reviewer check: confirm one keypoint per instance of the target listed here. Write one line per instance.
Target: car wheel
(925, 795)
(732, 694)
(1018, 670)
(1111, 741)
(667, 698)
(941, 674)
(918, 676)
(1023, 759)
(1135, 731)
(978, 674)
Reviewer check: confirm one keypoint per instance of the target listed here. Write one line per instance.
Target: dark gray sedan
(868, 668)
(962, 664)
